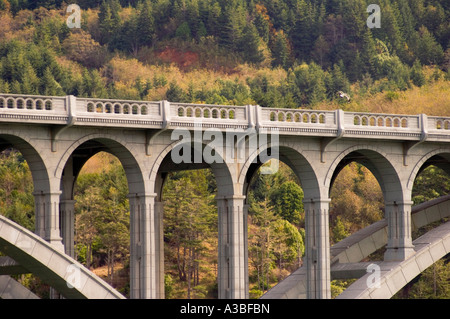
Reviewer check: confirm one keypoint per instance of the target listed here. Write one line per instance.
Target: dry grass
(99, 162)
(432, 99)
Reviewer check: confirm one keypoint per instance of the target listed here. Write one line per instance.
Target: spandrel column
(67, 208)
(399, 246)
(317, 248)
(47, 218)
(145, 253)
(232, 268)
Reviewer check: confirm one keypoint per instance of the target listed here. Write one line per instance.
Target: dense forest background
(279, 53)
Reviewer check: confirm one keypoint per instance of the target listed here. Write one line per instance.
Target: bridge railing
(33, 108)
(118, 112)
(208, 114)
(69, 110)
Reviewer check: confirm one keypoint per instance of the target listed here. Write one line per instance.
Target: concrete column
(398, 215)
(233, 264)
(145, 247)
(67, 209)
(159, 249)
(47, 217)
(317, 248)
(39, 216)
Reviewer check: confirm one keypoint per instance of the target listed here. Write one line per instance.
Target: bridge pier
(399, 246)
(146, 255)
(67, 215)
(233, 263)
(317, 250)
(47, 217)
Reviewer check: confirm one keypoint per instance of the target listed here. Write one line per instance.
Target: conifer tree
(250, 44)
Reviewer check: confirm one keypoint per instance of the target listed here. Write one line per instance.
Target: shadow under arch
(39, 172)
(82, 150)
(299, 164)
(68, 170)
(220, 169)
(315, 202)
(439, 158)
(397, 201)
(192, 158)
(377, 163)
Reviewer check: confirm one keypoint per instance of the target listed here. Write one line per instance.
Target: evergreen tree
(145, 23)
(49, 86)
(427, 49)
(417, 76)
(232, 24)
(280, 51)
(109, 20)
(287, 202)
(250, 44)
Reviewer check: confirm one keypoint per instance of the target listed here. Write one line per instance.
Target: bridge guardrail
(70, 110)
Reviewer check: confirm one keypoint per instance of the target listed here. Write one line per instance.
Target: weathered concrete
(49, 263)
(429, 248)
(11, 289)
(57, 135)
(346, 255)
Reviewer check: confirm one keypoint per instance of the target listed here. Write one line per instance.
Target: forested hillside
(275, 53)
(285, 53)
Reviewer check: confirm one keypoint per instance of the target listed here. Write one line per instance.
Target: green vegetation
(285, 53)
(288, 53)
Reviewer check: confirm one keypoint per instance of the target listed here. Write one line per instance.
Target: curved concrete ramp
(429, 248)
(11, 289)
(51, 265)
(347, 254)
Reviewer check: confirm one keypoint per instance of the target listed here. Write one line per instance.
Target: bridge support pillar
(146, 254)
(67, 209)
(233, 264)
(317, 248)
(398, 215)
(47, 217)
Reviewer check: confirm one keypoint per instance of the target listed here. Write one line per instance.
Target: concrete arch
(117, 147)
(62, 272)
(430, 247)
(374, 159)
(220, 170)
(34, 159)
(419, 165)
(292, 157)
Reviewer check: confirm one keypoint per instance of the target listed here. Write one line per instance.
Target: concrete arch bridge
(57, 135)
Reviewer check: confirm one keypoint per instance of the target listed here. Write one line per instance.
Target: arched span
(430, 247)
(222, 171)
(54, 267)
(118, 148)
(376, 161)
(292, 157)
(34, 160)
(439, 157)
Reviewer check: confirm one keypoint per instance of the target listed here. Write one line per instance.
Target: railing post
(165, 113)
(423, 127)
(71, 109)
(340, 122)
